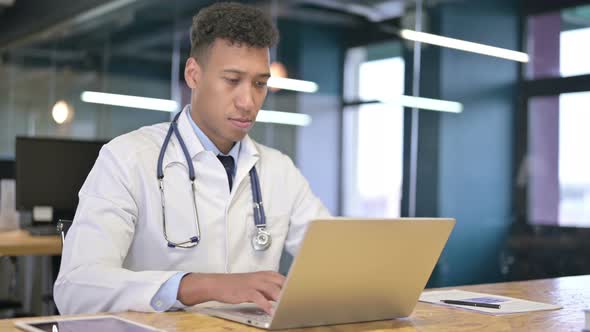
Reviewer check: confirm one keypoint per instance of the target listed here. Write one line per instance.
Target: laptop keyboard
(253, 313)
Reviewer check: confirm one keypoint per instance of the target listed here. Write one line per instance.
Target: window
(555, 162)
(574, 52)
(574, 159)
(557, 43)
(373, 135)
(559, 176)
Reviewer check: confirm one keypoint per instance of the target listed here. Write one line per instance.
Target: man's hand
(256, 287)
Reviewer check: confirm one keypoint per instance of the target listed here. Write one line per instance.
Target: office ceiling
(85, 30)
(137, 35)
(86, 33)
(26, 22)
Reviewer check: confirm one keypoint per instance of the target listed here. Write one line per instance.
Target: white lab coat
(115, 257)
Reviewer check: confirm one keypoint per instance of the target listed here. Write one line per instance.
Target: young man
(147, 238)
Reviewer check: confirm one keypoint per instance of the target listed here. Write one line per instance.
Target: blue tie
(229, 165)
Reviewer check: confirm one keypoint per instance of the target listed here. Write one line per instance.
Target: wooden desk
(21, 243)
(573, 293)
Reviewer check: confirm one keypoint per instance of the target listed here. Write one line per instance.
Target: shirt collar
(209, 146)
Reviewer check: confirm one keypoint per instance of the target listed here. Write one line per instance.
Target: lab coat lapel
(188, 134)
(248, 157)
(189, 137)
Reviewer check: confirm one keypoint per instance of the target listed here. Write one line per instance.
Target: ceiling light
(62, 112)
(154, 104)
(463, 45)
(291, 84)
(425, 103)
(278, 69)
(286, 118)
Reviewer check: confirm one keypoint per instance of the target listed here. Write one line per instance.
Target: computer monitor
(50, 173)
(6, 169)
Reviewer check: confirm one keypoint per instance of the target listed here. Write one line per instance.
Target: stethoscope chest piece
(261, 240)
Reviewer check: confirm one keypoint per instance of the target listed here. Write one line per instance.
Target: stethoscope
(260, 241)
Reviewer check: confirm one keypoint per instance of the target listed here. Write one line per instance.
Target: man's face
(228, 89)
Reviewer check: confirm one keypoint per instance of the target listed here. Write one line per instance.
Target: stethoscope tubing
(258, 209)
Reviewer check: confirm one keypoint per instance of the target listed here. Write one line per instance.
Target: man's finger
(274, 277)
(270, 290)
(259, 299)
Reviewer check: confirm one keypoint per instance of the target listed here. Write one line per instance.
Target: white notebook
(507, 305)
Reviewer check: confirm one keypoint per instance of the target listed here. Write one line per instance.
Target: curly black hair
(235, 22)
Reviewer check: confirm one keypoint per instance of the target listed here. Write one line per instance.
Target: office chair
(10, 307)
(62, 227)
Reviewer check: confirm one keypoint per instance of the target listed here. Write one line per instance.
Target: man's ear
(192, 72)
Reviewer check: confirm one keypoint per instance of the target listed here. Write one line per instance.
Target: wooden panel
(573, 293)
(21, 243)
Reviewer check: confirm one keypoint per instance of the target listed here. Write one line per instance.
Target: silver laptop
(352, 270)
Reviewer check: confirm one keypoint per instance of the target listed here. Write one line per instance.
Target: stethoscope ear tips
(171, 245)
(195, 239)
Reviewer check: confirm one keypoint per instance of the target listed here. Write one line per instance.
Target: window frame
(346, 103)
(530, 88)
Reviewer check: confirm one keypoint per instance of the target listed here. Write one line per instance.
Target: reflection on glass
(574, 52)
(373, 170)
(558, 162)
(574, 159)
(557, 43)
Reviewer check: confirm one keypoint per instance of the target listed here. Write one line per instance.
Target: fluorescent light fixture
(463, 45)
(286, 118)
(291, 84)
(154, 104)
(425, 103)
(165, 105)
